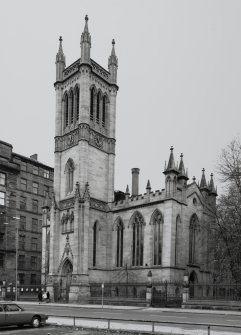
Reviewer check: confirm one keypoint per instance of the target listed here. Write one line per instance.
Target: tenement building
(24, 183)
(96, 234)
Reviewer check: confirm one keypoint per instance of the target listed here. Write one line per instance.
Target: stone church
(92, 233)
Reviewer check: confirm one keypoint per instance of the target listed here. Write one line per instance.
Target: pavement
(176, 310)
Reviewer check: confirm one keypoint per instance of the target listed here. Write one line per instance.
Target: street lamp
(16, 259)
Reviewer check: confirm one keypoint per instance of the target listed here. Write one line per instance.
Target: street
(136, 315)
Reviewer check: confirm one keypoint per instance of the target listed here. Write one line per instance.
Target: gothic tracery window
(77, 102)
(157, 222)
(69, 171)
(193, 239)
(98, 108)
(119, 243)
(96, 229)
(103, 111)
(92, 104)
(66, 110)
(178, 241)
(137, 239)
(71, 98)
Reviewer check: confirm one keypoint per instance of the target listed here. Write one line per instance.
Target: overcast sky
(179, 77)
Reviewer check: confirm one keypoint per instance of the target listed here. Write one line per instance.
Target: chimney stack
(135, 181)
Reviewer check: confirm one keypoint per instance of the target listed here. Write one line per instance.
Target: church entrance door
(65, 281)
(193, 284)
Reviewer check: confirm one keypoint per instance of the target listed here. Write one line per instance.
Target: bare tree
(227, 230)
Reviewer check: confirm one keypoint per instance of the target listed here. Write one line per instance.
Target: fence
(215, 291)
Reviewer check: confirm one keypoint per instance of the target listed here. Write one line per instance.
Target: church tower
(83, 168)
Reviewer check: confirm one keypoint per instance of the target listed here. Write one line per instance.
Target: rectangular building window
(2, 179)
(23, 202)
(35, 170)
(1, 260)
(35, 188)
(33, 278)
(46, 190)
(46, 174)
(34, 243)
(22, 223)
(33, 262)
(34, 225)
(2, 198)
(21, 261)
(21, 278)
(21, 242)
(35, 206)
(23, 184)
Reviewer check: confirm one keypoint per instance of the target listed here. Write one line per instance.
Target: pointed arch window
(157, 222)
(98, 108)
(96, 229)
(92, 93)
(137, 239)
(178, 241)
(69, 171)
(103, 111)
(193, 239)
(77, 102)
(66, 110)
(119, 243)
(71, 107)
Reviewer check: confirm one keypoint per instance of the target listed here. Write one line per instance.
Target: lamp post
(16, 258)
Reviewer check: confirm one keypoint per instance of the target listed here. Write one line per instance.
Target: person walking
(48, 296)
(40, 298)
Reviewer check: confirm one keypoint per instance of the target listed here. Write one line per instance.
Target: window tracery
(157, 222)
(69, 171)
(137, 239)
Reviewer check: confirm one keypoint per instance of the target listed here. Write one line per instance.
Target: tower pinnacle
(113, 63)
(85, 43)
(60, 61)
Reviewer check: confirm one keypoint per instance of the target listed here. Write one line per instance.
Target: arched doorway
(193, 281)
(65, 280)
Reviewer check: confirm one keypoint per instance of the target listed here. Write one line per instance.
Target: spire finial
(181, 155)
(60, 39)
(86, 18)
(113, 41)
(171, 148)
(194, 178)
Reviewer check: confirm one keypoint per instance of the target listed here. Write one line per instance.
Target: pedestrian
(45, 296)
(48, 296)
(40, 298)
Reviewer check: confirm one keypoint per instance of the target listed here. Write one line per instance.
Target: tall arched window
(96, 229)
(98, 108)
(66, 110)
(103, 110)
(157, 222)
(178, 238)
(77, 102)
(92, 94)
(193, 239)
(138, 223)
(119, 243)
(71, 98)
(69, 171)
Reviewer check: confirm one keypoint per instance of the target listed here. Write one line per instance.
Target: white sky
(179, 77)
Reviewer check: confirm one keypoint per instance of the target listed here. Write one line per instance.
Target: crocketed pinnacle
(181, 169)
(60, 55)
(148, 185)
(85, 37)
(113, 60)
(203, 183)
(171, 166)
(212, 188)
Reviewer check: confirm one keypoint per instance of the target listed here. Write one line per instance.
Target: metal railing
(151, 326)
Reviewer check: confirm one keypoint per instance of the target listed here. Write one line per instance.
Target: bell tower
(84, 164)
